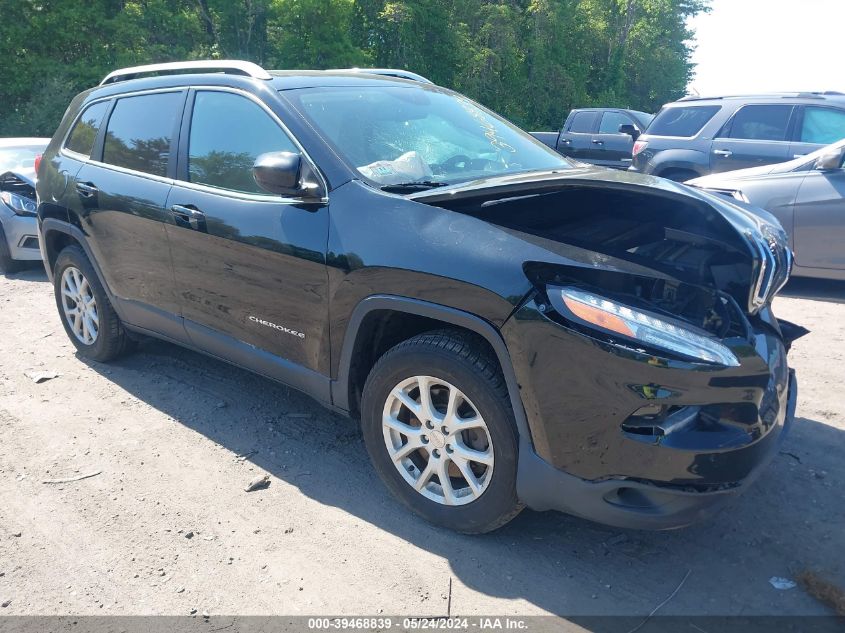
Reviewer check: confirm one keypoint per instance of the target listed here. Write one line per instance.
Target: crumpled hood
(738, 214)
(671, 227)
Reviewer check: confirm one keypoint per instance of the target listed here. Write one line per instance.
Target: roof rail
(772, 95)
(229, 66)
(388, 72)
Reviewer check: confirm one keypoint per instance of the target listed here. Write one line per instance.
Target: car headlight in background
(610, 316)
(19, 204)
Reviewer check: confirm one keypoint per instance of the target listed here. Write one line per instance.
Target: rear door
(576, 139)
(613, 148)
(816, 127)
(250, 266)
(122, 191)
(757, 134)
(820, 220)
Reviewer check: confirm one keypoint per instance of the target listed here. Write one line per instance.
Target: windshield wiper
(416, 185)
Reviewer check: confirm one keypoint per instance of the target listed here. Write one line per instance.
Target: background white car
(18, 228)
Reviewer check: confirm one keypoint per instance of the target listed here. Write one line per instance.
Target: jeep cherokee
(511, 329)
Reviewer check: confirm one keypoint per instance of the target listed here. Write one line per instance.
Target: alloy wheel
(80, 306)
(438, 440)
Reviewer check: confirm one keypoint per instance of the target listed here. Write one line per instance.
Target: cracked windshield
(405, 136)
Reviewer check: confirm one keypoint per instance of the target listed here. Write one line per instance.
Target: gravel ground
(166, 527)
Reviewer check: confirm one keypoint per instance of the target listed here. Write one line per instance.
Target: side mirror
(279, 172)
(830, 160)
(631, 130)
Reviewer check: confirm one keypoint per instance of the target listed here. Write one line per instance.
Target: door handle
(188, 216)
(565, 141)
(798, 155)
(597, 142)
(186, 213)
(86, 189)
(723, 152)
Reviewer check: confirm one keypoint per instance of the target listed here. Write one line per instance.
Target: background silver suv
(698, 136)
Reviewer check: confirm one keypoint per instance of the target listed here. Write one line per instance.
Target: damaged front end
(652, 370)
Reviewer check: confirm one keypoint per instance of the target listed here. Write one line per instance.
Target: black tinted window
(228, 132)
(610, 122)
(81, 139)
(582, 122)
(681, 120)
(139, 132)
(761, 122)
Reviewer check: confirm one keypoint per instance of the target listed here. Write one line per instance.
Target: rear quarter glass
(681, 121)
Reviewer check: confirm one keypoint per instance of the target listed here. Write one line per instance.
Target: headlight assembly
(19, 204)
(609, 316)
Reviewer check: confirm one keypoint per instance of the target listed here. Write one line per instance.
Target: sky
(751, 46)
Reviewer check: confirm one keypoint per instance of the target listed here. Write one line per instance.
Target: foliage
(531, 60)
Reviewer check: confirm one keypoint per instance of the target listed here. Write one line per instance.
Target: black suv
(509, 328)
(696, 136)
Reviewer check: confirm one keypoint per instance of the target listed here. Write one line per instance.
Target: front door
(122, 192)
(614, 147)
(249, 266)
(820, 220)
(756, 135)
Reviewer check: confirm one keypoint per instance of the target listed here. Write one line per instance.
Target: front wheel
(7, 264)
(439, 428)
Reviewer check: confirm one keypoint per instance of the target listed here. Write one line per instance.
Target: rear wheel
(439, 429)
(87, 315)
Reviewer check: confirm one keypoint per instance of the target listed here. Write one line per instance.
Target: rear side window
(683, 121)
(582, 122)
(761, 123)
(228, 132)
(610, 122)
(84, 132)
(822, 125)
(140, 130)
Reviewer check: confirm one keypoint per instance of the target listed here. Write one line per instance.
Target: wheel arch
(371, 322)
(57, 235)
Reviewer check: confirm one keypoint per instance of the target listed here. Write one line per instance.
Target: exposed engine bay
(686, 260)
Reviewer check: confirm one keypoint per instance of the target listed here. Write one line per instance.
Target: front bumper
(634, 504)
(21, 235)
(577, 393)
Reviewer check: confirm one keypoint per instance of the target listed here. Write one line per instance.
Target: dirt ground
(166, 526)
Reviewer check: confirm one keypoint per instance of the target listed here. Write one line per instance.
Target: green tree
(531, 60)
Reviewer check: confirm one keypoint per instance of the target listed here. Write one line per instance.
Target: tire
(111, 339)
(679, 175)
(448, 362)
(7, 264)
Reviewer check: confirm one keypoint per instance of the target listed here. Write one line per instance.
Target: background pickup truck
(592, 135)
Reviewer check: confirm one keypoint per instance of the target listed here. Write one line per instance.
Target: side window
(140, 130)
(610, 122)
(761, 122)
(822, 125)
(84, 133)
(682, 121)
(228, 132)
(582, 123)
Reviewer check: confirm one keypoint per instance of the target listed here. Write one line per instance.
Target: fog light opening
(660, 420)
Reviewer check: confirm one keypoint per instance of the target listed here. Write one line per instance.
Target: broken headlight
(609, 316)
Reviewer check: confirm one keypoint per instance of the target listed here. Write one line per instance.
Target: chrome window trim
(256, 196)
(69, 152)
